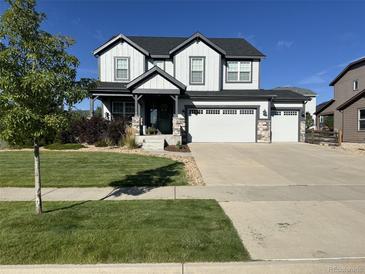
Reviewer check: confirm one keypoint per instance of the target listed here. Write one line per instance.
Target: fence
(323, 137)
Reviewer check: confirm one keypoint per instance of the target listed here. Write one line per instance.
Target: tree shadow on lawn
(145, 181)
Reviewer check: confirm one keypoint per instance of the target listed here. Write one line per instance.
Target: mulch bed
(183, 148)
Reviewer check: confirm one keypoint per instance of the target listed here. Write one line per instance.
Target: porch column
(136, 119)
(176, 105)
(91, 110)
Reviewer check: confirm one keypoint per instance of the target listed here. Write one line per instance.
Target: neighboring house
(194, 89)
(348, 105)
(310, 106)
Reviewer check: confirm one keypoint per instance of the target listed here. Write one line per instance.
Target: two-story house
(194, 89)
(348, 105)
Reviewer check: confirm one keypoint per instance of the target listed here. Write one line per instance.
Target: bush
(101, 143)
(116, 131)
(90, 130)
(64, 146)
(130, 139)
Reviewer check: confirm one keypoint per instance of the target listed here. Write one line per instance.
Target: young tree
(309, 122)
(37, 79)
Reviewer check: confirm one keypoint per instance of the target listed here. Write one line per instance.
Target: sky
(306, 43)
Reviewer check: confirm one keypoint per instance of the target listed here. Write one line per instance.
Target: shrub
(178, 145)
(63, 146)
(90, 130)
(116, 131)
(151, 131)
(101, 143)
(130, 139)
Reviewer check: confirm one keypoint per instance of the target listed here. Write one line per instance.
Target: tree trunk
(37, 180)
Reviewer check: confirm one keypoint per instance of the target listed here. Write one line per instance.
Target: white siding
(157, 82)
(212, 63)
(311, 108)
(122, 49)
(264, 105)
(106, 108)
(255, 78)
(287, 105)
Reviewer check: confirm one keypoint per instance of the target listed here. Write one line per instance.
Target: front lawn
(87, 169)
(117, 232)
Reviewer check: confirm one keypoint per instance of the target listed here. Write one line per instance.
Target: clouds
(99, 36)
(315, 79)
(284, 44)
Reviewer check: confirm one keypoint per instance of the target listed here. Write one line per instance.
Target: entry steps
(157, 144)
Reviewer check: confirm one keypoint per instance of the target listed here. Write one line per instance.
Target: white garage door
(222, 125)
(285, 125)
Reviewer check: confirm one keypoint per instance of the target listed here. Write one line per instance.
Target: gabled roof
(118, 38)
(322, 106)
(159, 47)
(352, 100)
(303, 91)
(197, 36)
(355, 64)
(152, 72)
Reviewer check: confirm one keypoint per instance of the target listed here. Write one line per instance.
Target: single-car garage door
(285, 125)
(221, 125)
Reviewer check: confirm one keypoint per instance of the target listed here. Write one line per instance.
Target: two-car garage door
(222, 125)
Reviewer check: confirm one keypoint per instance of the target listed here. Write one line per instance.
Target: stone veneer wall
(263, 131)
(302, 131)
(179, 127)
(136, 124)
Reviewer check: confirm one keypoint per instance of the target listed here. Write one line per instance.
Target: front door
(160, 116)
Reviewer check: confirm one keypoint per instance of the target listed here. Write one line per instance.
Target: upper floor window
(362, 119)
(121, 68)
(239, 71)
(355, 85)
(159, 63)
(197, 70)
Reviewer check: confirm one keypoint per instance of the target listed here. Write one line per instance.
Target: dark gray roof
(276, 95)
(161, 46)
(303, 91)
(352, 100)
(322, 106)
(355, 64)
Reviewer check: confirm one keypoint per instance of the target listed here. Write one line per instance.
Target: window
(355, 85)
(239, 71)
(125, 109)
(247, 111)
(229, 111)
(159, 63)
(362, 119)
(197, 65)
(122, 68)
(212, 111)
(290, 113)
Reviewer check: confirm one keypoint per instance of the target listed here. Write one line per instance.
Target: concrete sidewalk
(277, 267)
(219, 193)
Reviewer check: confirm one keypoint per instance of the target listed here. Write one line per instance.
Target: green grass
(87, 169)
(64, 146)
(118, 232)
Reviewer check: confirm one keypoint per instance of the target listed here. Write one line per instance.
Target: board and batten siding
(122, 49)
(157, 82)
(254, 84)
(212, 66)
(263, 105)
(350, 123)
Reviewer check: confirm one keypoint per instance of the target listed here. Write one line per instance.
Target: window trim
(358, 119)
(115, 68)
(239, 81)
(191, 72)
(357, 85)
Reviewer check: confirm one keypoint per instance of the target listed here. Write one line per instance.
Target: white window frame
(355, 85)
(115, 69)
(238, 72)
(191, 70)
(360, 119)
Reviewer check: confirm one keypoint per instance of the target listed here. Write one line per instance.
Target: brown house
(347, 108)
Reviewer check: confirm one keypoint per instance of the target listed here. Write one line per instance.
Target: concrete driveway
(277, 164)
(289, 201)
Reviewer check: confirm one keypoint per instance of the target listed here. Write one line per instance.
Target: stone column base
(302, 131)
(179, 126)
(264, 131)
(136, 124)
